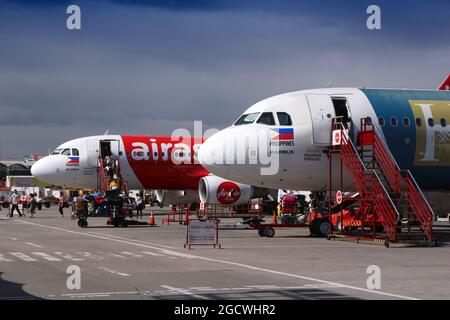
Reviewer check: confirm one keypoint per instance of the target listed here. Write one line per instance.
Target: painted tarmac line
(68, 256)
(108, 294)
(90, 255)
(153, 254)
(46, 256)
(33, 244)
(131, 254)
(184, 291)
(237, 264)
(114, 272)
(22, 256)
(4, 259)
(128, 239)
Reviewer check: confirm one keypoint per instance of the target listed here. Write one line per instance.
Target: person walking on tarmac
(14, 200)
(33, 205)
(61, 203)
(139, 205)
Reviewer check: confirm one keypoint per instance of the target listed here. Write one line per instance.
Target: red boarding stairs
(102, 184)
(396, 199)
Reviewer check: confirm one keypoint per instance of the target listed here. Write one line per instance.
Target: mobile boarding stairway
(393, 208)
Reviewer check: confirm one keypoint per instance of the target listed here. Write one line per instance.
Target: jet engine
(176, 197)
(215, 190)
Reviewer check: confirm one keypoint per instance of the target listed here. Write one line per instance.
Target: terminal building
(15, 172)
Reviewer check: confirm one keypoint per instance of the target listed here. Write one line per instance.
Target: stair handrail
(421, 193)
(348, 140)
(387, 194)
(378, 133)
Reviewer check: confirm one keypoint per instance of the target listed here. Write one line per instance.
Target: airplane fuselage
(413, 123)
(146, 162)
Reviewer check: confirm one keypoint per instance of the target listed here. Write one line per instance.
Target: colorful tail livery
(446, 84)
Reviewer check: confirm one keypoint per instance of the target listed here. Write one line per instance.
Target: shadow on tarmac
(14, 291)
(273, 294)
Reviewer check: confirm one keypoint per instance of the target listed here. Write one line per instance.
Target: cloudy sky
(148, 67)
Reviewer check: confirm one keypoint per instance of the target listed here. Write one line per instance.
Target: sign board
(339, 197)
(202, 233)
(337, 136)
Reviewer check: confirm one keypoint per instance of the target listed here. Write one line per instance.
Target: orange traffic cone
(274, 218)
(152, 219)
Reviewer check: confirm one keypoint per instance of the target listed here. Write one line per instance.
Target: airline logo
(228, 192)
(432, 138)
(280, 134)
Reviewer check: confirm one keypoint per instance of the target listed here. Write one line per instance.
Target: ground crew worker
(139, 205)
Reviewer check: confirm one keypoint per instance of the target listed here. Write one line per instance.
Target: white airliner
(281, 142)
(166, 164)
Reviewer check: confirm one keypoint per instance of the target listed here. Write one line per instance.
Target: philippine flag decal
(280, 134)
(73, 161)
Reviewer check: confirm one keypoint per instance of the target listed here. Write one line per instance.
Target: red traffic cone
(152, 219)
(274, 218)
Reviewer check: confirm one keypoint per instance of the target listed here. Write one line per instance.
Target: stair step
(411, 236)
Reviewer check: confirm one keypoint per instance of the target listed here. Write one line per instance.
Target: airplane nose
(40, 169)
(211, 155)
(46, 170)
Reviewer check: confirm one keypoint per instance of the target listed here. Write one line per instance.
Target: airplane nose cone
(211, 155)
(46, 170)
(40, 169)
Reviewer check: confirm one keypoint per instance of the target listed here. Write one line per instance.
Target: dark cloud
(149, 68)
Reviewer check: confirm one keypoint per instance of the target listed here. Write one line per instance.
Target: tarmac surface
(143, 262)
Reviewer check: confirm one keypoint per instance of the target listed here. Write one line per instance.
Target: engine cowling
(215, 190)
(176, 197)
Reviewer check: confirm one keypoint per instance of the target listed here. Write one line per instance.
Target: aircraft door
(109, 148)
(92, 152)
(322, 112)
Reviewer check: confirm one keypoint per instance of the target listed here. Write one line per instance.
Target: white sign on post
(338, 135)
(202, 233)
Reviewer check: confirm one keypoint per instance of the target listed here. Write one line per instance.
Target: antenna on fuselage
(330, 82)
(106, 132)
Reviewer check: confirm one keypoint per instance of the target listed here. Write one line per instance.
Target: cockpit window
(247, 119)
(75, 152)
(267, 118)
(66, 152)
(284, 119)
(57, 151)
